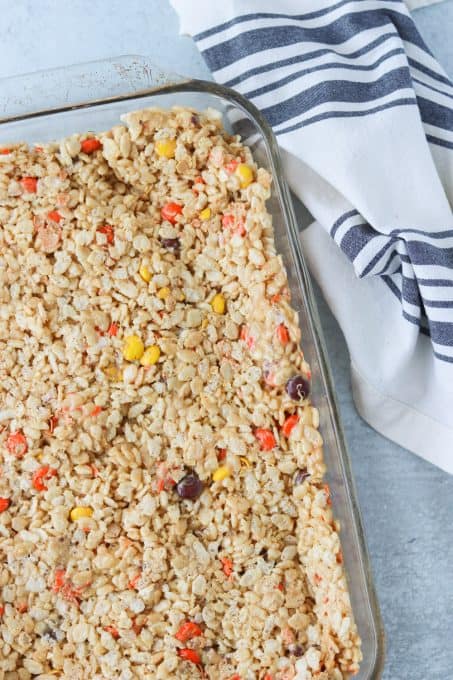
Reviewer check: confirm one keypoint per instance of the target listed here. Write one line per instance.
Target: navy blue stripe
(432, 88)
(441, 283)
(322, 67)
(439, 332)
(414, 320)
(373, 262)
(338, 31)
(386, 267)
(443, 304)
(272, 15)
(442, 332)
(413, 260)
(356, 238)
(410, 291)
(309, 56)
(343, 218)
(427, 254)
(397, 293)
(433, 234)
(428, 71)
(347, 114)
(337, 91)
(443, 357)
(394, 288)
(439, 142)
(435, 114)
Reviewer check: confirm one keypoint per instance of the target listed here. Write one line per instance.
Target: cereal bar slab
(163, 512)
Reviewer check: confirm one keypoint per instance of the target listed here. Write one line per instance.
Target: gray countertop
(407, 504)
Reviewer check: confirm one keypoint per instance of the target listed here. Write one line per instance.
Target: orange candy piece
(113, 329)
(4, 504)
(170, 212)
(227, 566)
(190, 655)
(107, 230)
(90, 145)
(187, 631)
(54, 215)
(39, 476)
(29, 184)
(266, 439)
(289, 424)
(282, 334)
(17, 444)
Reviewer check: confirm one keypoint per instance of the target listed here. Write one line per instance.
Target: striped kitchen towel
(363, 114)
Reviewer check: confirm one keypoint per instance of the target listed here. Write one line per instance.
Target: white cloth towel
(363, 114)
(415, 4)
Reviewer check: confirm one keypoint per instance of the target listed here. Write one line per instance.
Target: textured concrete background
(407, 504)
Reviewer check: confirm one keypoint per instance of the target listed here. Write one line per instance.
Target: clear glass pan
(50, 104)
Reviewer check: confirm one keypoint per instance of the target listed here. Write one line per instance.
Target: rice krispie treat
(162, 506)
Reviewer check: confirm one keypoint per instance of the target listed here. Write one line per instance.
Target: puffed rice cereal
(163, 512)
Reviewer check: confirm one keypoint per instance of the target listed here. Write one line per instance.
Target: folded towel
(363, 114)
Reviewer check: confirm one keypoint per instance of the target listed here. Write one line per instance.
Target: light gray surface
(407, 504)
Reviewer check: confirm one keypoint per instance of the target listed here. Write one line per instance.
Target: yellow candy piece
(244, 461)
(166, 148)
(145, 273)
(80, 512)
(221, 473)
(205, 214)
(245, 174)
(150, 356)
(163, 293)
(205, 323)
(218, 304)
(133, 348)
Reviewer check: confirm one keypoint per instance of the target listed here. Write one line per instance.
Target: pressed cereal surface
(162, 506)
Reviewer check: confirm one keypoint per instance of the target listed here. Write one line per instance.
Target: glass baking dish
(91, 97)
